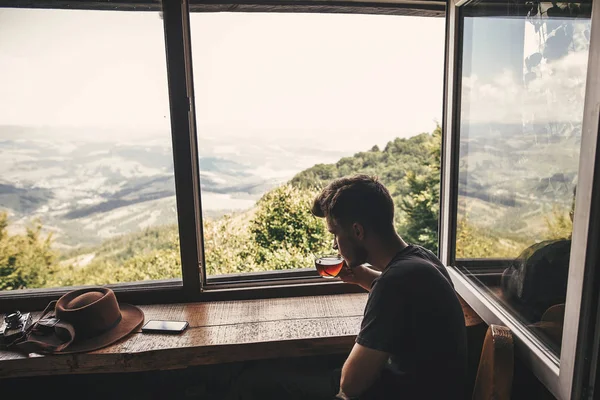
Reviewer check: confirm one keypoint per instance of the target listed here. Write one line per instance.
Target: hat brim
(131, 319)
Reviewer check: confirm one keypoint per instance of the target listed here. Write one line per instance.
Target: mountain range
(85, 188)
(78, 183)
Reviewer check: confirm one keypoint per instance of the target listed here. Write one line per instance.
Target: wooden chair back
(495, 371)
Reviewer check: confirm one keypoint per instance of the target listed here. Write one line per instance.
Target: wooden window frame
(194, 284)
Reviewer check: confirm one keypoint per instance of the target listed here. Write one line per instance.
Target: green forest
(279, 232)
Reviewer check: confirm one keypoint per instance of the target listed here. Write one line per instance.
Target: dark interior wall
(191, 383)
(210, 382)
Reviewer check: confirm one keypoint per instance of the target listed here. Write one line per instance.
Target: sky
(495, 85)
(359, 79)
(337, 80)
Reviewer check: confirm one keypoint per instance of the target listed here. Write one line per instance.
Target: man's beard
(359, 257)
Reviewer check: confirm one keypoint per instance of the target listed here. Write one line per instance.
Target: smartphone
(164, 326)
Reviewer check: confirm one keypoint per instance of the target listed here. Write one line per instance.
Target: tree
(147, 255)
(278, 233)
(283, 220)
(422, 209)
(476, 242)
(25, 260)
(558, 224)
(421, 204)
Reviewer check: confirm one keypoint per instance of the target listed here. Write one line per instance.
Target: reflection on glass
(87, 194)
(282, 110)
(523, 85)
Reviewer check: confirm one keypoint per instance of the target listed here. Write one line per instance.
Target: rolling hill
(509, 186)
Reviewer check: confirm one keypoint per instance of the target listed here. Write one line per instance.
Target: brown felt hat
(97, 318)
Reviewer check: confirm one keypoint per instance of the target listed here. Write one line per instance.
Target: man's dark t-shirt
(413, 314)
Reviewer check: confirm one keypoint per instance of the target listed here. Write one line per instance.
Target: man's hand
(360, 275)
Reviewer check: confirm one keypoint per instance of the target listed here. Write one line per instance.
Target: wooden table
(218, 332)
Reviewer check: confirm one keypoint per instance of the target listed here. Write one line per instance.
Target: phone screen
(165, 326)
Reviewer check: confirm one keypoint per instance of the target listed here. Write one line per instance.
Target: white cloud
(226, 149)
(555, 95)
(254, 73)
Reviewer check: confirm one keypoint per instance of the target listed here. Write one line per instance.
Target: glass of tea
(329, 266)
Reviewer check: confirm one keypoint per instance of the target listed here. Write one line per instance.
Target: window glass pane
(287, 102)
(523, 84)
(87, 193)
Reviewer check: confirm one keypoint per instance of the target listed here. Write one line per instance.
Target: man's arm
(360, 275)
(361, 370)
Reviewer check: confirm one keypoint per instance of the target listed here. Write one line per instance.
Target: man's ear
(358, 230)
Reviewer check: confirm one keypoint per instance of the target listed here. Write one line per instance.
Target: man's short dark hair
(359, 198)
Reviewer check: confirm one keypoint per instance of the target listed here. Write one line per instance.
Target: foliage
(148, 255)
(422, 209)
(161, 264)
(390, 165)
(558, 224)
(124, 247)
(228, 246)
(422, 203)
(409, 168)
(25, 260)
(278, 233)
(476, 242)
(283, 220)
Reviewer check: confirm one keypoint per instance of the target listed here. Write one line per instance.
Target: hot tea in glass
(329, 266)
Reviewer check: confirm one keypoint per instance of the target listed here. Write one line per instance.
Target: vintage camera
(14, 327)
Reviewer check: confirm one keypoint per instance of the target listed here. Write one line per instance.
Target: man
(412, 342)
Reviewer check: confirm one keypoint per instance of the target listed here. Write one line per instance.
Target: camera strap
(47, 335)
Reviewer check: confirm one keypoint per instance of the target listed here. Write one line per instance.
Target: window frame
(194, 285)
(307, 277)
(573, 375)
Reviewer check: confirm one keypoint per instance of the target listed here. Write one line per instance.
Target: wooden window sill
(219, 332)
